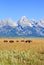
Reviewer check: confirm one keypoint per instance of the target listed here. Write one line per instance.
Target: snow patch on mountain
(23, 27)
(8, 22)
(41, 23)
(24, 22)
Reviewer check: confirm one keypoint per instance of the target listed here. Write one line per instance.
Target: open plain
(21, 44)
(21, 51)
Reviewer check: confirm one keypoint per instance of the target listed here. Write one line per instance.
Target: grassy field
(22, 53)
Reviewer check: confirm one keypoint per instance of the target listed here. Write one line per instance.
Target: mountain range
(22, 28)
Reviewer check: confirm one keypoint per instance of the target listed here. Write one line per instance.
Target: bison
(5, 41)
(22, 40)
(11, 41)
(17, 41)
(28, 41)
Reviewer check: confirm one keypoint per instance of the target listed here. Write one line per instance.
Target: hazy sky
(17, 8)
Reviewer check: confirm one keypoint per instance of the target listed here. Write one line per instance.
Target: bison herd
(11, 41)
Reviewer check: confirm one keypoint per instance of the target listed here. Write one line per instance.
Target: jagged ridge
(22, 28)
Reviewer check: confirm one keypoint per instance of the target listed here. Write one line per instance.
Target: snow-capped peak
(22, 28)
(24, 22)
(8, 22)
(11, 23)
(41, 23)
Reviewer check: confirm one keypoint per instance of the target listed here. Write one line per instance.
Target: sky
(15, 9)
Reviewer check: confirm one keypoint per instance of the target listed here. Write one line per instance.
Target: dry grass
(36, 44)
(22, 53)
(14, 57)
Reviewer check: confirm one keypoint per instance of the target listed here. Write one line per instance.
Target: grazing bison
(11, 41)
(17, 41)
(22, 40)
(28, 41)
(5, 41)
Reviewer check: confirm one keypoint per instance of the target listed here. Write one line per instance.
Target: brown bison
(28, 41)
(11, 41)
(17, 41)
(5, 41)
(22, 41)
